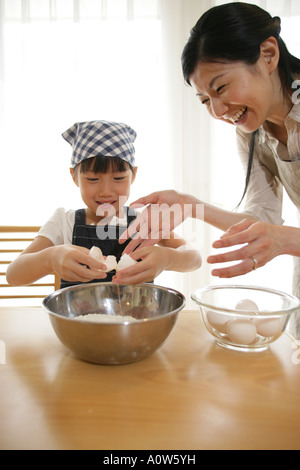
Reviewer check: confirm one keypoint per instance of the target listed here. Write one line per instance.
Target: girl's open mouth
(106, 204)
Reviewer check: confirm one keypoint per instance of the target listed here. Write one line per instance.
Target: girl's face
(104, 194)
(239, 94)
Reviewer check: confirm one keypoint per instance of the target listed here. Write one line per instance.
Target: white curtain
(188, 132)
(67, 60)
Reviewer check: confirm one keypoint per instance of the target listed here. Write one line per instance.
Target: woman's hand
(74, 264)
(165, 210)
(154, 259)
(261, 243)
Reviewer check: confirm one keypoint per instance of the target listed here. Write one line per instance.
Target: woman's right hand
(74, 264)
(165, 210)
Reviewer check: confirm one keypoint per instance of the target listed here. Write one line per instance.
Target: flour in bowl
(103, 318)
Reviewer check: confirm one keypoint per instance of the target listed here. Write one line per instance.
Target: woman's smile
(234, 92)
(240, 116)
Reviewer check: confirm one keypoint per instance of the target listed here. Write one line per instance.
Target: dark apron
(105, 237)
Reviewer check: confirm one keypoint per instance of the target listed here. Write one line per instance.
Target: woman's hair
(103, 165)
(235, 32)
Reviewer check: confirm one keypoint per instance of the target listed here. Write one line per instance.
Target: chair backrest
(13, 240)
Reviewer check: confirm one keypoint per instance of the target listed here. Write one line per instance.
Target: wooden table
(190, 394)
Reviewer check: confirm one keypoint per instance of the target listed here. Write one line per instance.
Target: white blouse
(275, 166)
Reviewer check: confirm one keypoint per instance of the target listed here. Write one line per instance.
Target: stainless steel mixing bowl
(155, 308)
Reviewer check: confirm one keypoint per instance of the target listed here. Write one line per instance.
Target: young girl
(103, 167)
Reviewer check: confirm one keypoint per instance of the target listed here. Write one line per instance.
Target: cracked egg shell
(111, 263)
(96, 253)
(125, 262)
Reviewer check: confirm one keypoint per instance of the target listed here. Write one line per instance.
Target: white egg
(247, 304)
(241, 331)
(268, 327)
(96, 253)
(111, 263)
(218, 320)
(125, 262)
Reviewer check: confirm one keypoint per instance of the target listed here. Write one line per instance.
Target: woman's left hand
(261, 243)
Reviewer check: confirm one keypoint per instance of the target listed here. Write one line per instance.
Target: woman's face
(236, 93)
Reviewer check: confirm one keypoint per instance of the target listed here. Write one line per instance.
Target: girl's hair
(103, 165)
(235, 32)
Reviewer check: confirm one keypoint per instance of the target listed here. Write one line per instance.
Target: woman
(241, 70)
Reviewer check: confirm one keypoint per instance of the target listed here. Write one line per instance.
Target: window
(72, 61)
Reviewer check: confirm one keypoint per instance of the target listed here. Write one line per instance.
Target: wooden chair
(13, 240)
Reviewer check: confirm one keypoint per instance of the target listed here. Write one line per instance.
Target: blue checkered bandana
(101, 138)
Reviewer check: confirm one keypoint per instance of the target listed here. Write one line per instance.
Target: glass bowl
(245, 318)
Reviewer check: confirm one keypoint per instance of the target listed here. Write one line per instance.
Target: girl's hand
(262, 242)
(154, 260)
(74, 264)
